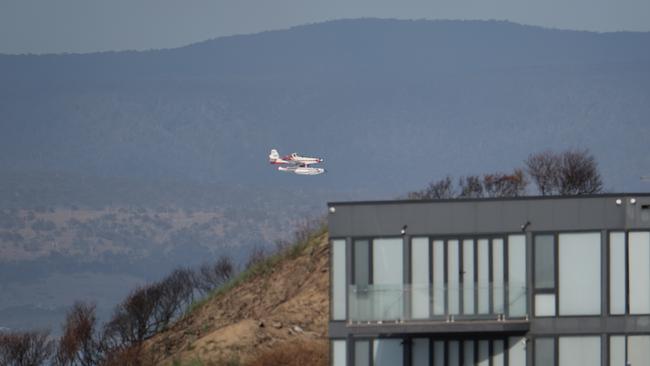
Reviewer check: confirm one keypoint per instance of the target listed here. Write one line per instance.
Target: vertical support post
(604, 271)
(349, 350)
(348, 275)
(530, 275)
(604, 293)
(407, 349)
(530, 279)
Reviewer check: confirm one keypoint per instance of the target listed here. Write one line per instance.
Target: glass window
(439, 353)
(617, 273)
(387, 352)
(579, 351)
(517, 351)
(362, 353)
(420, 278)
(454, 353)
(468, 276)
(483, 249)
(338, 279)
(339, 351)
(545, 305)
(483, 353)
(497, 277)
(387, 261)
(438, 277)
(498, 358)
(639, 262)
(544, 352)
(361, 263)
(544, 262)
(517, 275)
(387, 276)
(453, 277)
(420, 351)
(579, 279)
(638, 350)
(617, 351)
(360, 298)
(468, 353)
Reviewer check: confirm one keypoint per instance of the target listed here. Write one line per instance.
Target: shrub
(79, 344)
(212, 275)
(25, 348)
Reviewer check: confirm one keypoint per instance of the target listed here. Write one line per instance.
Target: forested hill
(345, 48)
(390, 105)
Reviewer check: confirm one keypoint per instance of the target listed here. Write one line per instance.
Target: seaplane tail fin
(274, 155)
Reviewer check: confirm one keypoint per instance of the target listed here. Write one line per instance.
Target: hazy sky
(44, 26)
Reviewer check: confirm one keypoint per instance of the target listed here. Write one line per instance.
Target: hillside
(275, 306)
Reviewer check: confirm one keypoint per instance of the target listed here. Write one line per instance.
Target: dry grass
(127, 357)
(256, 312)
(301, 353)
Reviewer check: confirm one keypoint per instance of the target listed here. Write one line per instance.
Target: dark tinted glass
(544, 262)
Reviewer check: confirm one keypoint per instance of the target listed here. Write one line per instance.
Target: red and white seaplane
(294, 163)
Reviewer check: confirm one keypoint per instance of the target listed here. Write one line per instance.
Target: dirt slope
(287, 303)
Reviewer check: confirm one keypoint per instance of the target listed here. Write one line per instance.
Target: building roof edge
(487, 199)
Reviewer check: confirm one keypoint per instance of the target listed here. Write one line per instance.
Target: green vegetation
(304, 238)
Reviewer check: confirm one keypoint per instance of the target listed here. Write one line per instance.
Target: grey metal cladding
(340, 330)
(638, 214)
(591, 325)
(592, 212)
(483, 216)
(543, 214)
(515, 214)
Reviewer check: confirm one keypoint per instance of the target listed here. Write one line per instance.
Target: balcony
(398, 304)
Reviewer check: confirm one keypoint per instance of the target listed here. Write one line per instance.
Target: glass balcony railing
(437, 303)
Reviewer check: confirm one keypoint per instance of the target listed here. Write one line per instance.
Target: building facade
(535, 281)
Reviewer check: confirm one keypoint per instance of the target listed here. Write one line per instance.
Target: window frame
(600, 337)
(345, 280)
(600, 281)
(490, 237)
(625, 344)
(627, 271)
(556, 353)
(556, 273)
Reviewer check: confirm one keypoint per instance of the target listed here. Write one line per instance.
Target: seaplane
(294, 163)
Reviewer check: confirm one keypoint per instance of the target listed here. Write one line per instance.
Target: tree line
(147, 310)
(570, 172)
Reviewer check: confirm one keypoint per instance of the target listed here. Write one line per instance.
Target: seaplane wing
(295, 163)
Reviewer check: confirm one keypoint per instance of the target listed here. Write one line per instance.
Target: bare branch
(470, 187)
(79, 344)
(505, 185)
(25, 348)
(579, 173)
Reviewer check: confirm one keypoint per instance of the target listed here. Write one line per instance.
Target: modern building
(531, 281)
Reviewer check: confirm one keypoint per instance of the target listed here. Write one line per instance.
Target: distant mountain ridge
(332, 45)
